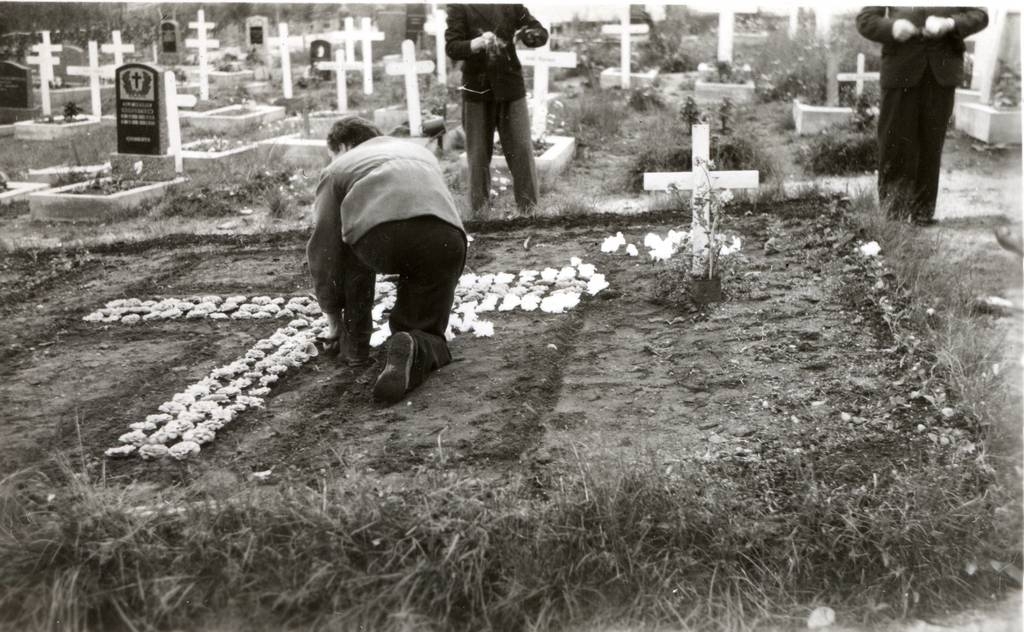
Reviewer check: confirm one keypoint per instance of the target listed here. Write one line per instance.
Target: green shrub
(840, 151)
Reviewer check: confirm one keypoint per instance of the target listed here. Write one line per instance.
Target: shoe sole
(393, 382)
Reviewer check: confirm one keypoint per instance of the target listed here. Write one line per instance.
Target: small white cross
(624, 29)
(542, 59)
(409, 67)
(727, 31)
(860, 76)
(366, 36)
(436, 26)
(340, 68)
(94, 72)
(286, 59)
(46, 61)
(117, 48)
(203, 45)
(172, 100)
(701, 181)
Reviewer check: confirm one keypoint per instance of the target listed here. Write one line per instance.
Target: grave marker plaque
(169, 37)
(140, 121)
(15, 85)
(320, 52)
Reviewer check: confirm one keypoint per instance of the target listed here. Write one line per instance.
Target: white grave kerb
(409, 67)
(117, 48)
(436, 26)
(368, 35)
(286, 59)
(624, 29)
(542, 59)
(46, 61)
(701, 180)
(340, 68)
(94, 72)
(860, 76)
(203, 45)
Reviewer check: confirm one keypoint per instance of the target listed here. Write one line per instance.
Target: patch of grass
(840, 151)
(595, 117)
(220, 195)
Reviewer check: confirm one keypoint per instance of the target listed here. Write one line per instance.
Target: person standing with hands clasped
(483, 36)
(922, 64)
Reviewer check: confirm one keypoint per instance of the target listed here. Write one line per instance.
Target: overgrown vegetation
(225, 196)
(594, 117)
(841, 150)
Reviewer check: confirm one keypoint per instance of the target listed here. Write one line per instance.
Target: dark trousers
(428, 255)
(911, 130)
(512, 120)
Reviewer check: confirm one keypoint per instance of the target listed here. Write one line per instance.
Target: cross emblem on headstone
(46, 61)
(409, 68)
(117, 48)
(625, 29)
(94, 71)
(860, 76)
(701, 181)
(203, 46)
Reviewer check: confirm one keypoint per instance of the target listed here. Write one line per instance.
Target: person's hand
(935, 26)
(485, 40)
(531, 37)
(902, 30)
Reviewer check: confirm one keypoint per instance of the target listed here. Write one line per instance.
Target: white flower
(510, 302)
(596, 284)
(612, 244)
(586, 270)
(870, 249)
(135, 437)
(131, 319)
(120, 451)
(380, 336)
(483, 328)
(153, 451)
(631, 250)
(183, 450)
(725, 196)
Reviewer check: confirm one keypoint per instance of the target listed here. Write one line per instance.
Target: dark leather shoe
(393, 382)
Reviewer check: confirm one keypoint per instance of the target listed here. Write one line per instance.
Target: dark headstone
(16, 94)
(141, 116)
(256, 35)
(320, 50)
(415, 18)
(169, 37)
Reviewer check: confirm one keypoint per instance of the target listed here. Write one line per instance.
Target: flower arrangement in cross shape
(712, 248)
(725, 72)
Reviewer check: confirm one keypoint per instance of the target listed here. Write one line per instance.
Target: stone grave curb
(549, 164)
(813, 119)
(31, 130)
(59, 205)
(711, 91)
(612, 78)
(989, 125)
(19, 190)
(218, 122)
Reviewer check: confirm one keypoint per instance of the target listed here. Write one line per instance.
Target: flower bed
(55, 128)
(201, 154)
(233, 119)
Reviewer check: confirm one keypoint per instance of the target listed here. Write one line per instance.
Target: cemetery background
(799, 388)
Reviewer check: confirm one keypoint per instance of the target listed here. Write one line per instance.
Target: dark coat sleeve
(457, 35)
(525, 20)
(969, 21)
(875, 25)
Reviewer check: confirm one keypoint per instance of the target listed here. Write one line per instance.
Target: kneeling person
(382, 205)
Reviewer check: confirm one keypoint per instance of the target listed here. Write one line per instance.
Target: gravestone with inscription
(16, 102)
(415, 19)
(170, 46)
(257, 36)
(320, 52)
(142, 139)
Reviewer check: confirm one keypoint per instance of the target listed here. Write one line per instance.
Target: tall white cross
(794, 21)
(542, 59)
(624, 29)
(701, 181)
(172, 100)
(367, 35)
(340, 68)
(436, 26)
(94, 72)
(348, 36)
(409, 68)
(986, 55)
(860, 76)
(117, 48)
(46, 61)
(286, 59)
(203, 45)
(727, 30)
(823, 21)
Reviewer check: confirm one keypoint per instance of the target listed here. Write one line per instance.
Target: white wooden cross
(203, 45)
(117, 48)
(727, 30)
(173, 100)
(367, 35)
(823, 21)
(409, 68)
(701, 180)
(436, 26)
(94, 72)
(46, 61)
(986, 55)
(286, 59)
(340, 68)
(542, 59)
(624, 29)
(860, 76)
(794, 21)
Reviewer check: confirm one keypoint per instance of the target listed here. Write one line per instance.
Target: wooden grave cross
(701, 181)
(46, 61)
(436, 26)
(542, 59)
(624, 29)
(94, 72)
(409, 67)
(203, 45)
(340, 67)
(727, 30)
(860, 76)
(366, 36)
(286, 59)
(117, 48)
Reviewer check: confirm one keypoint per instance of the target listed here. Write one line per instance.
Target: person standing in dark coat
(484, 37)
(922, 64)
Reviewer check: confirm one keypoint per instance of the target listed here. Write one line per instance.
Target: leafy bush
(71, 111)
(646, 98)
(840, 151)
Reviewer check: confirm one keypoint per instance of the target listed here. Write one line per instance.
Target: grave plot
(991, 113)
(724, 79)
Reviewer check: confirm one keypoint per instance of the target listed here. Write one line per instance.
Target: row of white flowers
(191, 418)
(663, 248)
